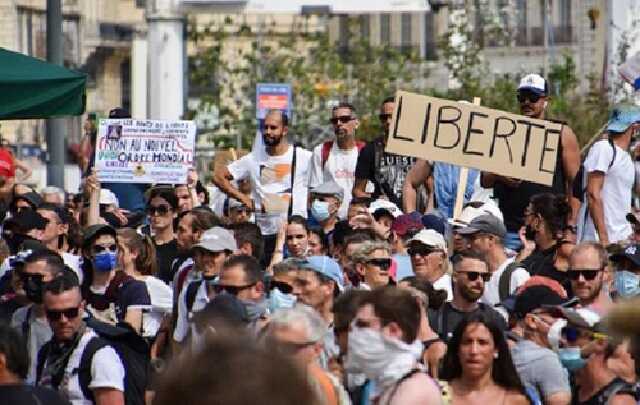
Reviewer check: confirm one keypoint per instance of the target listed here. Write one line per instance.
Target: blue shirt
(446, 178)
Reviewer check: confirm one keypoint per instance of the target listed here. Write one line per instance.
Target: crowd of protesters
(332, 276)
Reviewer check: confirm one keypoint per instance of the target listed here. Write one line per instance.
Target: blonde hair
(365, 251)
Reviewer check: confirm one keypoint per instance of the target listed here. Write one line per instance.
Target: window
(405, 29)
(385, 29)
(125, 84)
(364, 27)
(430, 43)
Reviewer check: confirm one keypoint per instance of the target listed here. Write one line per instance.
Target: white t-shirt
(339, 167)
(491, 295)
(161, 304)
(270, 178)
(444, 283)
(616, 192)
(74, 262)
(183, 322)
(107, 371)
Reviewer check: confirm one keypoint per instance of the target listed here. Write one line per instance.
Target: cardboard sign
(144, 151)
(473, 136)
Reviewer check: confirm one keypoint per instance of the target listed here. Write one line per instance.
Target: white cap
(533, 82)
(387, 205)
(431, 238)
(108, 197)
(470, 213)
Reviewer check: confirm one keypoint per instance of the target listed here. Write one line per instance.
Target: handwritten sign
(473, 136)
(144, 151)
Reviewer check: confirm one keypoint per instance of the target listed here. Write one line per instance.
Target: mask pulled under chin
(381, 358)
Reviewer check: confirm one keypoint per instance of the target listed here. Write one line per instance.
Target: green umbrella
(32, 88)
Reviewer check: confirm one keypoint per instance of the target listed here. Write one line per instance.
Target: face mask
(105, 261)
(14, 243)
(555, 334)
(571, 358)
(33, 289)
(381, 358)
(255, 309)
(320, 210)
(627, 284)
(529, 233)
(280, 300)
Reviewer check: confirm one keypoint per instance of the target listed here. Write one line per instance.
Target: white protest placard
(144, 151)
(474, 136)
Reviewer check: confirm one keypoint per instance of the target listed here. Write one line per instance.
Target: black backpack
(132, 349)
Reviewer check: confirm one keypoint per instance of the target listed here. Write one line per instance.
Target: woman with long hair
(137, 258)
(478, 365)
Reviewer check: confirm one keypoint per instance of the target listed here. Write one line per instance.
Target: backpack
(504, 283)
(578, 189)
(190, 295)
(132, 349)
(326, 149)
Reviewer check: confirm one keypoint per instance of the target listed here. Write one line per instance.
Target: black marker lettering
(527, 139)
(545, 149)
(472, 130)
(447, 121)
(395, 127)
(425, 127)
(504, 136)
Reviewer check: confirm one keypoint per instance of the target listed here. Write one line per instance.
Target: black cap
(34, 199)
(534, 297)
(93, 231)
(119, 112)
(631, 252)
(61, 212)
(27, 220)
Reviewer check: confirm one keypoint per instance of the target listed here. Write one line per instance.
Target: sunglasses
(384, 264)
(102, 248)
(532, 97)
(69, 313)
(587, 274)
(291, 348)
(474, 275)
(384, 117)
(26, 277)
(420, 251)
(571, 334)
(231, 289)
(343, 119)
(282, 286)
(160, 209)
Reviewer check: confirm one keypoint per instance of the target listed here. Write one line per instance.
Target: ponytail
(143, 247)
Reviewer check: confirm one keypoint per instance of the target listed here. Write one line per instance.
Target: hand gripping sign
(474, 136)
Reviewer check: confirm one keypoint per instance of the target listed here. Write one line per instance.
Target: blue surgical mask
(105, 261)
(320, 210)
(280, 300)
(627, 284)
(255, 309)
(571, 358)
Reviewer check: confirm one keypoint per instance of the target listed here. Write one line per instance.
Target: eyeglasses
(384, 264)
(384, 117)
(344, 119)
(473, 275)
(69, 313)
(102, 248)
(587, 274)
(231, 289)
(160, 209)
(281, 285)
(420, 250)
(532, 97)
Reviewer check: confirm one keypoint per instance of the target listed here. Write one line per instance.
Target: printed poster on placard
(144, 151)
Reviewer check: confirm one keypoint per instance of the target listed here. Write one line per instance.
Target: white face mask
(555, 334)
(381, 358)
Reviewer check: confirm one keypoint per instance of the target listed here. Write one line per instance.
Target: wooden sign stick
(462, 182)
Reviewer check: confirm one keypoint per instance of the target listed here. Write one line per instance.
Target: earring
(495, 355)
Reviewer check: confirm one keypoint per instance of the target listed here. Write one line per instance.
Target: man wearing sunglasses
(513, 194)
(428, 252)
(335, 161)
(378, 172)
(588, 274)
(59, 360)
(242, 277)
(470, 273)
(372, 263)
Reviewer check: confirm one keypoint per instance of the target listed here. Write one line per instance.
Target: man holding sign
(514, 194)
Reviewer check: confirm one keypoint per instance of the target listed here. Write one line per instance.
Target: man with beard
(513, 195)
(279, 176)
(470, 273)
(336, 161)
(588, 274)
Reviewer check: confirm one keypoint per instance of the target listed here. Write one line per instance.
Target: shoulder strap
(25, 324)
(43, 353)
(84, 369)
(190, 295)
(615, 152)
(504, 283)
(293, 177)
(404, 378)
(326, 149)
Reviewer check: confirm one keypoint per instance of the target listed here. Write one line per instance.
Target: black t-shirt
(29, 395)
(388, 174)
(165, 255)
(541, 263)
(444, 320)
(133, 294)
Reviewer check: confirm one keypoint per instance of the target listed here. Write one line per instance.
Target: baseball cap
(431, 238)
(330, 188)
(108, 197)
(387, 205)
(327, 267)
(533, 82)
(534, 297)
(217, 239)
(27, 220)
(435, 222)
(407, 224)
(119, 112)
(233, 203)
(486, 223)
(622, 116)
(580, 317)
(94, 231)
(31, 197)
(631, 252)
